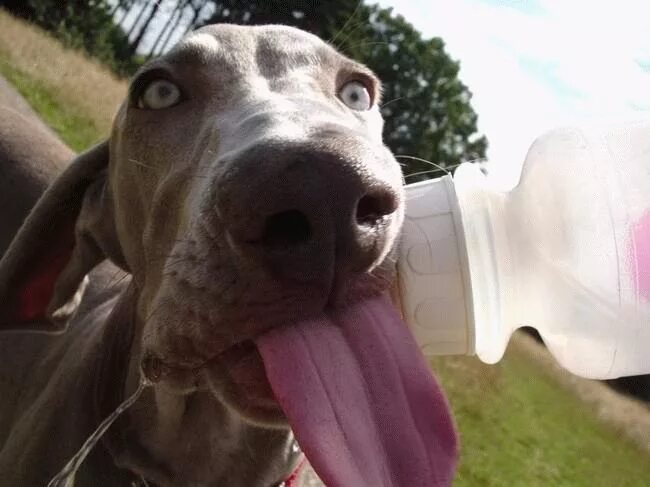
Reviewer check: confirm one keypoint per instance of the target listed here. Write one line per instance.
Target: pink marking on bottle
(641, 256)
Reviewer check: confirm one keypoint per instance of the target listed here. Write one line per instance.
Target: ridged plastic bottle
(567, 252)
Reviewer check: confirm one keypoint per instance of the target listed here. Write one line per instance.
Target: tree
(172, 23)
(426, 107)
(127, 6)
(197, 6)
(135, 43)
(138, 16)
(119, 4)
(320, 18)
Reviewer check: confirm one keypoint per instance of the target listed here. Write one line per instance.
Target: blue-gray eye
(159, 94)
(355, 95)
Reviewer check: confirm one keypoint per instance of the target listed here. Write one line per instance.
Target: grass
(520, 427)
(76, 130)
(75, 94)
(521, 422)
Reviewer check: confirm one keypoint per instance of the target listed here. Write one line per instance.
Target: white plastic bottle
(567, 251)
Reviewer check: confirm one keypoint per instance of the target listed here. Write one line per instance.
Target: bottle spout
(433, 278)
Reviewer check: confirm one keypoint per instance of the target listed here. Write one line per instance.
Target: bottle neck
(433, 276)
(457, 266)
(491, 262)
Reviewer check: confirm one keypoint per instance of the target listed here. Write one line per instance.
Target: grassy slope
(75, 129)
(518, 425)
(77, 96)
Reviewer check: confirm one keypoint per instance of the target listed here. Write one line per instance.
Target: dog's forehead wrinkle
(204, 48)
(269, 49)
(197, 48)
(259, 118)
(286, 55)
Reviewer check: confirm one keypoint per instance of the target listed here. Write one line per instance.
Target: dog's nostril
(286, 228)
(373, 206)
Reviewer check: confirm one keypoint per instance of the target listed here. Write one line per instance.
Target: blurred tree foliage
(427, 109)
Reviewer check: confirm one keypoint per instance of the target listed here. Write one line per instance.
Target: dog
(244, 186)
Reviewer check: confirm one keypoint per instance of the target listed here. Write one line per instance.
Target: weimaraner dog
(230, 245)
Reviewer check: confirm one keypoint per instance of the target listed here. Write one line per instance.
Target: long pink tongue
(361, 400)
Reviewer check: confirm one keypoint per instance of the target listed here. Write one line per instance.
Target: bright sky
(536, 64)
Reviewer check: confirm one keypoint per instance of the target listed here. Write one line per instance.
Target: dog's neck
(169, 438)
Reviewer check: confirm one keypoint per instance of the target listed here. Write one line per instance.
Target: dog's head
(245, 185)
(246, 189)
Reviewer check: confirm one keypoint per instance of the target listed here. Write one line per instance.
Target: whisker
(381, 278)
(391, 101)
(155, 168)
(114, 281)
(142, 164)
(176, 262)
(153, 312)
(355, 27)
(354, 13)
(369, 43)
(422, 173)
(413, 158)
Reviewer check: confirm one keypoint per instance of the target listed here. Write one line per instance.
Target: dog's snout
(308, 214)
(375, 205)
(293, 227)
(286, 228)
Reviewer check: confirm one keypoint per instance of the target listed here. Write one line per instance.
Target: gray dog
(244, 186)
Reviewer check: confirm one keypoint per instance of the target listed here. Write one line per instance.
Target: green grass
(77, 131)
(518, 427)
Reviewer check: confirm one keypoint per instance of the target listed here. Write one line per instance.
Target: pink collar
(290, 482)
(293, 478)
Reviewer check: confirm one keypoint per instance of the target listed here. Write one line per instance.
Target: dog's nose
(308, 214)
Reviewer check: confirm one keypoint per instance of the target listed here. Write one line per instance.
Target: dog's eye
(159, 94)
(355, 95)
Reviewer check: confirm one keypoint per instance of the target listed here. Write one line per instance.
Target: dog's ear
(68, 232)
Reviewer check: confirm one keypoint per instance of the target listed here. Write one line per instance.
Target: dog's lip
(186, 368)
(243, 366)
(236, 372)
(156, 368)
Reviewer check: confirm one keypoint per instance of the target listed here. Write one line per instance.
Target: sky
(533, 65)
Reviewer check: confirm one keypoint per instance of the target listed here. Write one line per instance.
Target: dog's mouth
(356, 391)
(360, 397)
(237, 376)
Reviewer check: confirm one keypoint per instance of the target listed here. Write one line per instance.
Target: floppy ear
(67, 233)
